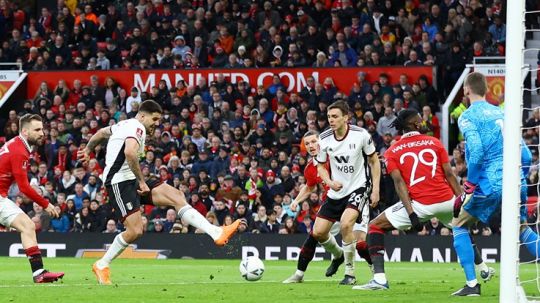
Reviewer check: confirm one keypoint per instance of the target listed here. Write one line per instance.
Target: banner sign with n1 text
(7, 78)
(437, 249)
(294, 78)
(495, 79)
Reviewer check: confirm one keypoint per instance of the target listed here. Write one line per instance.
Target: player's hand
(143, 189)
(294, 206)
(416, 225)
(336, 185)
(51, 211)
(468, 190)
(469, 187)
(374, 197)
(83, 156)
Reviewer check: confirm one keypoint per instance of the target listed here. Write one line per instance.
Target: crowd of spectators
(234, 150)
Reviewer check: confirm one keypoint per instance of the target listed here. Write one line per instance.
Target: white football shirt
(347, 158)
(116, 167)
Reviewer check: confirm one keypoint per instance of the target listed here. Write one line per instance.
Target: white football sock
(332, 247)
(299, 273)
(349, 251)
(116, 248)
(380, 278)
(192, 217)
(472, 283)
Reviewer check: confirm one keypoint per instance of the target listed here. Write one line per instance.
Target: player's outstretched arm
(304, 193)
(99, 137)
(403, 194)
(375, 166)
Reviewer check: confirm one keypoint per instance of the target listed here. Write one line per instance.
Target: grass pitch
(219, 281)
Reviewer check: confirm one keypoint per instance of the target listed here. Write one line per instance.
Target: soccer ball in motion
(251, 268)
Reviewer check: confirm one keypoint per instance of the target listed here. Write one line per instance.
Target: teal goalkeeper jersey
(482, 125)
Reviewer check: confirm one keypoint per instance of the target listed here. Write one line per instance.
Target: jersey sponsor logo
(342, 159)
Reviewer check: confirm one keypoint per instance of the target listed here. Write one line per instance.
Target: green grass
(219, 281)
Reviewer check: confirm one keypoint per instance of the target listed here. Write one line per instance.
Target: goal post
(510, 289)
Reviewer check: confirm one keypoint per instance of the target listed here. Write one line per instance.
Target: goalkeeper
(482, 128)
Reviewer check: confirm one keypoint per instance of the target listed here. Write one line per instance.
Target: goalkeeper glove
(468, 190)
(415, 222)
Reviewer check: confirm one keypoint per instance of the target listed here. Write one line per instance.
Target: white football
(251, 268)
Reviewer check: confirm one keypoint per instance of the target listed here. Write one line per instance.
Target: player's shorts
(8, 211)
(152, 183)
(399, 218)
(483, 207)
(124, 198)
(332, 209)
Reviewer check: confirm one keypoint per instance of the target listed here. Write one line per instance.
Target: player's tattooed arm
(99, 137)
(131, 151)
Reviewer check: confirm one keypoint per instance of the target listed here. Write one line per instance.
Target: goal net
(520, 271)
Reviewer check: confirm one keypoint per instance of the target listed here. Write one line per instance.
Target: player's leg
(360, 233)
(12, 216)
(348, 219)
(166, 195)
(129, 214)
(465, 253)
(306, 255)
(527, 236)
(327, 217)
(445, 213)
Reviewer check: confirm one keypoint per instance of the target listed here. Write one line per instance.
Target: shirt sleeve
(390, 161)
(310, 175)
(475, 150)
(135, 131)
(369, 147)
(19, 171)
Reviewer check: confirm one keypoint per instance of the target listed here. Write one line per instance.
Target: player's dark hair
(402, 122)
(26, 119)
(477, 83)
(341, 105)
(150, 106)
(311, 133)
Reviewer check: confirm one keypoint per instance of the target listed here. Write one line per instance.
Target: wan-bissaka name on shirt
(426, 142)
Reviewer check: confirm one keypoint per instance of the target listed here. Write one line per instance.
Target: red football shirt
(313, 179)
(14, 157)
(419, 159)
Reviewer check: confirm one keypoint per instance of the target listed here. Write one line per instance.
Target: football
(251, 268)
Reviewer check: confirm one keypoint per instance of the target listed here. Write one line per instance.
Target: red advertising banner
(294, 79)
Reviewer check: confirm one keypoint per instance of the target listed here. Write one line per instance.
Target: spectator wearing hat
(272, 187)
(180, 47)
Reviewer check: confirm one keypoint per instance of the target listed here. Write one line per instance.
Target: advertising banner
(7, 78)
(265, 246)
(294, 78)
(495, 80)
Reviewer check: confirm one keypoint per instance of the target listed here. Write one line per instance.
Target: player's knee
(346, 227)
(320, 235)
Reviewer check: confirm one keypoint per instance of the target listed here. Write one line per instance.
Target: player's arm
(321, 159)
(303, 195)
(18, 169)
(375, 166)
(403, 194)
(475, 153)
(131, 152)
(99, 137)
(325, 176)
(452, 180)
